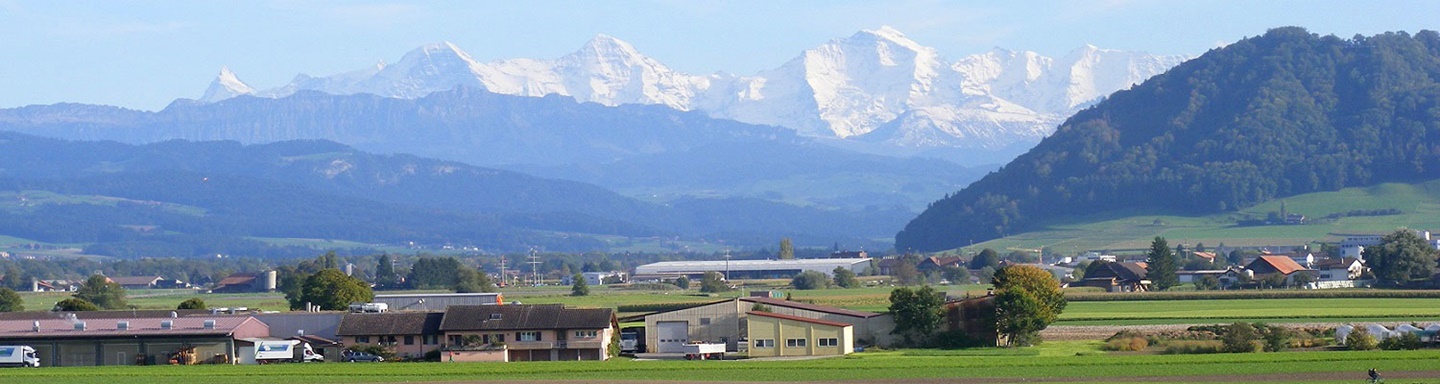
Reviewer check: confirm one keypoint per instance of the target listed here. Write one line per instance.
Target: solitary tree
(917, 312)
(10, 301)
(682, 282)
(787, 251)
(1162, 265)
(845, 278)
(809, 280)
(1401, 256)
(333, 290)
(192, 303)
(75, 305)
(580, 287)
(987, 258)
(1027, 299)
(102, 292)
(15, 279)
(712, 282)
(470, 280)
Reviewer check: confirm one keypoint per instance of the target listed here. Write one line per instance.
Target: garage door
(672, 336)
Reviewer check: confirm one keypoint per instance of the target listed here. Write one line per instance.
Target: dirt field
(1100, 332)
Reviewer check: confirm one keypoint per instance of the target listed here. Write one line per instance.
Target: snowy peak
(225, 86)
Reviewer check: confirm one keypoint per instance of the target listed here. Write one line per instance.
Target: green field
(1271, 310)
(1420, 204)
(1069, 362)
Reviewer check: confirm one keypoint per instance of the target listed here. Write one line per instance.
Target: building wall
(494, 355)
(416, 349)
(289, 324)
(129, 351)
(716, 322)
(550, 347)
(874, 329)
(782, 330)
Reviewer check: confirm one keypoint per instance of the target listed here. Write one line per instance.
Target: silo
(270, 280)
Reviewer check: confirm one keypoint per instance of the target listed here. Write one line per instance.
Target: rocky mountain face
(877, 89)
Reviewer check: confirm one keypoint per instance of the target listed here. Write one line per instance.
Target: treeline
(1277, 115)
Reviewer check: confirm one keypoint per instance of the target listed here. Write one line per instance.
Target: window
(795, 342)
(830, 342)
(457, 340)
(362, 339)
(430, 339)
(764, 343)
(586, 334)
(527, 336)
(409, 340)
(704, 321)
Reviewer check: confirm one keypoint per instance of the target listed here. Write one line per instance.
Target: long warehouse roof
(675, 267)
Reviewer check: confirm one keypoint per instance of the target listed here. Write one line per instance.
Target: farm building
(71, 341)
(748, 269)
(774, 334)
(726, 322)
(521, 332)
(247, 282)
(1117, 277)
(410, 334)
(436, 301)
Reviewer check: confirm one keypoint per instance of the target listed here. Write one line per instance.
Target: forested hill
(1281, 114)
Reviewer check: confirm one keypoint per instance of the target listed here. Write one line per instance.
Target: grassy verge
(1010, 365)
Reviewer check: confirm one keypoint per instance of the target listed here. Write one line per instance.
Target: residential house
(525, 332)
(937, 263)
(887, 265)
(849, 255)
(1268, 266)
(773, 334)
(1118, 277)
(410, 334)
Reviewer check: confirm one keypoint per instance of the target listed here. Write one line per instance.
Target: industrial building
(73, 342)
(436, 301)
(773, 334)
(748, 269)
(726, 322)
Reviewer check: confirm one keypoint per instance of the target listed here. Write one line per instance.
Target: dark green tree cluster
(1285, 113)
(10, 301)
(332, 290)
(713, 282)
(918, 313)
(845, 278)
(1162, 265)
(1402, 256)
(810, 280)
(102, 292)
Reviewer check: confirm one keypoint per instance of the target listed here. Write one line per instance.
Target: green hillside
(1419, 205)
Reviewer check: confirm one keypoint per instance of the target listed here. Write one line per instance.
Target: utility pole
(727, 265)
(503, 276)
(534, 268)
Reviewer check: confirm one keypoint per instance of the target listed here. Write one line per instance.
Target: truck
(704, 351)
(18, 356)
(285, 350)
(632, 340)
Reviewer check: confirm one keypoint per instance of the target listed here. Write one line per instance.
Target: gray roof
(395, 323)
(523, 317)
(694, 267)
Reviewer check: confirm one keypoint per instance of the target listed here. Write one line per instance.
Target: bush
(1130, 344)
(1360, 340)
(958, 339)
(375, 349)
(1190, 347)
(432, 355)
(1407, 340)
(1240, 338)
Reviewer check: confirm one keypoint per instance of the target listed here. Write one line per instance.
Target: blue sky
(144, 54)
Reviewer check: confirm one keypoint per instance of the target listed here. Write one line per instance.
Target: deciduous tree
(845, 278)
(809, 280)
(1401, 256)
(192, 303)
(917, 312)
(986, 258)
(787, 250)
(102, 292)
(1027, 299)
(10, 301)
(75, 305)
(332, 290)
(712, 282)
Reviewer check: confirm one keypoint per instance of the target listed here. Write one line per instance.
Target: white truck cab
(18, 356)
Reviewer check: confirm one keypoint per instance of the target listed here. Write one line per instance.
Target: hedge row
(1256, 294)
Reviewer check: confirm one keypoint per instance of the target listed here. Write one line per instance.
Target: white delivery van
(18, 356)
(285, 350)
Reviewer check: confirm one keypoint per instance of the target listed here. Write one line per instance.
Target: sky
(145, 54)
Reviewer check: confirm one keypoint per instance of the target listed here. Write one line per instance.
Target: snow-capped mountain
(877, 86)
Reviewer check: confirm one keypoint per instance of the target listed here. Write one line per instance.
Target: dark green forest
(1285, 113)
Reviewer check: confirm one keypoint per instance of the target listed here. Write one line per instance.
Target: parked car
(354, 356)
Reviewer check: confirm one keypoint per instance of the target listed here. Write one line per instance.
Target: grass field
(1420, 204)
(1271, 310)
(1072, 362)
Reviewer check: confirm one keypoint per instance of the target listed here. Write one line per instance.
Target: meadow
(1069, 362)
(1132, 231)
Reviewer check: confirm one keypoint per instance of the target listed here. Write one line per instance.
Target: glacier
(876, 90)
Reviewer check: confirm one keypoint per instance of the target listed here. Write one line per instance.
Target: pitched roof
(798, 318)
(88, 315)
(395, 323)
(1282, 264)
(135, 280)
(810, 307)
(1121, 271)
(237, 279)
(1344, 263)
(1205, 255)
(524, 316)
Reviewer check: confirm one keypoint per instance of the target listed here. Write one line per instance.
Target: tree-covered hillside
(1285, 113)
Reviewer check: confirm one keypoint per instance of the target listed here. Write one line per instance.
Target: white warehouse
(749, 269)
